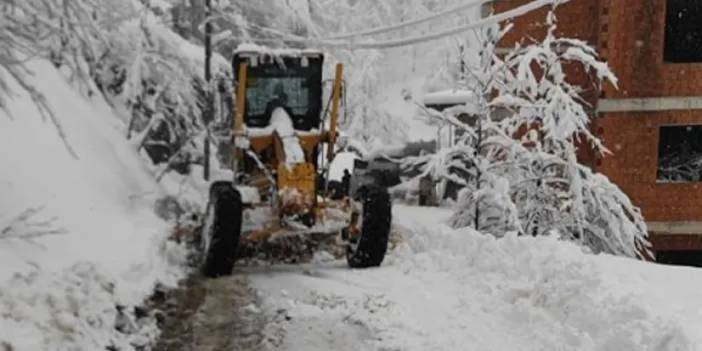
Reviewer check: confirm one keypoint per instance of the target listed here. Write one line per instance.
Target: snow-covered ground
(444, 289)
(60, 292)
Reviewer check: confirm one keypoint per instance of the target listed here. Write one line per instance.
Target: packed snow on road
(446, 289)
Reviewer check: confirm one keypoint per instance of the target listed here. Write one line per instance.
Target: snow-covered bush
(520, 154)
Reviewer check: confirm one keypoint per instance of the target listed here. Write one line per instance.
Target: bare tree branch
(43, 107)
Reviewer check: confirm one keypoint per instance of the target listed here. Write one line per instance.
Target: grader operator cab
(283, 140)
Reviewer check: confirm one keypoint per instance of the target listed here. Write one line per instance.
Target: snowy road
(442, 289)
(327, 306)
(212, 315)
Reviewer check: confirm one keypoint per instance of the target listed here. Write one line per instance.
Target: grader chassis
(276, 187)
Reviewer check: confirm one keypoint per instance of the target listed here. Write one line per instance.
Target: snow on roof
(448, 97)
(248, 49)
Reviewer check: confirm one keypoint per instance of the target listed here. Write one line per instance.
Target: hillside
(60, 291)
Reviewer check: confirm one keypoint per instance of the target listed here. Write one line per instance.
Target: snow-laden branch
(139, 140)
(29, 225)
(19, 75)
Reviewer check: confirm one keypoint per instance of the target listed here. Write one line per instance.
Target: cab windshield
(282, 82)
(260, 92)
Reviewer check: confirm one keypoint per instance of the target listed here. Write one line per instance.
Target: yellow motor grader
(283, 139)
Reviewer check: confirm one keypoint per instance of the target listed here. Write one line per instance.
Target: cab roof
(257, 51)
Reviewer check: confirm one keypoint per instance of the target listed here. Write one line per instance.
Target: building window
(680, 154)
(683, 31)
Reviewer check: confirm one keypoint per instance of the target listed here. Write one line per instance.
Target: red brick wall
(576, 19)
(633, 139)
(632, 40)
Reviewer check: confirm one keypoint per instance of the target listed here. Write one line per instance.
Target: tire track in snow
(305, 316)
(212, 315)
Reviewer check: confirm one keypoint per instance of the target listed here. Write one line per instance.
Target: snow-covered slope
(59, 292)
(444, 289)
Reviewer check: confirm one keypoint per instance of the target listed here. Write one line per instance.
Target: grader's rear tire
(369, 249)
(222, 230)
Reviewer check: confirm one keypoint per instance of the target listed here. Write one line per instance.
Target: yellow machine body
(294, 187)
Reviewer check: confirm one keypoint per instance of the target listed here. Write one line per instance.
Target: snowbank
(445, 289)
(59, 292)
(550, 293)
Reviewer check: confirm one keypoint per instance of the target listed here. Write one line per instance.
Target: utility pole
(207, 111)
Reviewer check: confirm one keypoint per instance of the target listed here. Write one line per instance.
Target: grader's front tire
(222, 230)
(368, 250)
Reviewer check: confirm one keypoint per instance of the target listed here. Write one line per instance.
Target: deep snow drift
(444, 289)
(59, 292)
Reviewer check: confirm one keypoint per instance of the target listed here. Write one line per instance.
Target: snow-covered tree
(156, 74)
(518, 156)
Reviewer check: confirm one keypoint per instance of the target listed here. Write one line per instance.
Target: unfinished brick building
(653, 121)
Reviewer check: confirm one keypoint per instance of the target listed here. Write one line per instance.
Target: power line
(352, 45)
(401, 25)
